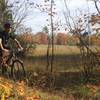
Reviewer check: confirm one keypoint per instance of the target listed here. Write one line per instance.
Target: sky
(37, 19)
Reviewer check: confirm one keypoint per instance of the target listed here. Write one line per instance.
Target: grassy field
(65, 57)
(41, 50)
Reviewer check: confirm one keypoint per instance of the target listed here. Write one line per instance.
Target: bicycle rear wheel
(17, 70)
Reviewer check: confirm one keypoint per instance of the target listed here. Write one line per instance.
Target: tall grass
(41, 50)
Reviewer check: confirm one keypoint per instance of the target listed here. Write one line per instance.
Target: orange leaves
(34, 97)
(21, 88)
(9, 90)
(5, 89)
(41, 38)
(95, 40)
(61, 38)
(9, 85)
(26, 37)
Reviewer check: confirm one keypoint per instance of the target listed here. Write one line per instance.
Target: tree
(23, 29)
(95, 40)
(80, 26)
(5, 13)
(41, 38)
(19, 10)
(72, 40)
(27, 41)
(14, 11)
(45, 29)
(61, 39)
(95, 21)
(97, 4)
(49, 8)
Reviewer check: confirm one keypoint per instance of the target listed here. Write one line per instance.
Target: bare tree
(80, 26)
(48, 8)
(19, 10)
(14, 11)
(5, 12)
(96, 5)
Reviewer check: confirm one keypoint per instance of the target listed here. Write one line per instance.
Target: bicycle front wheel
(17, 70)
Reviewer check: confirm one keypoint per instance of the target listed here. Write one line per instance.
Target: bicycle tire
(17, 70)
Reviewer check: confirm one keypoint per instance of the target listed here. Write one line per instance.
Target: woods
(61, 48)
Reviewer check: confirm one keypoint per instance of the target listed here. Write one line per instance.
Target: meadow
(65, 57)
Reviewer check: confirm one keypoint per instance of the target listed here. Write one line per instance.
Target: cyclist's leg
(8, 55)
(4, 64)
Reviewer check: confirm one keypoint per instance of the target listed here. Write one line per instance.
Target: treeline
(59, 39)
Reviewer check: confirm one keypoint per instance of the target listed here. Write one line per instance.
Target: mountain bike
(14, 65)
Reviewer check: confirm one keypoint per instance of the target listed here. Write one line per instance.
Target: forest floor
(11, 90)
(20, 90)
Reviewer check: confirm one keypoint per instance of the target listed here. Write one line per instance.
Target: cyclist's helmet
(7, 25)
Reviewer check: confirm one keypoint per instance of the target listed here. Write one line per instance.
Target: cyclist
(4, 38)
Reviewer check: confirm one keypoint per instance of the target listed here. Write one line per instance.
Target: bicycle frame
(12, 56)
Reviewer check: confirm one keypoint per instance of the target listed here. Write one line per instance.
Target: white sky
(37, 20)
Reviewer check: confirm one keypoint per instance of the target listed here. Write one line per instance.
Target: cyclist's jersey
(5, 38)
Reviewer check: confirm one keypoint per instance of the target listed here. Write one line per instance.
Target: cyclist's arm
(1, 46)
(17, 42)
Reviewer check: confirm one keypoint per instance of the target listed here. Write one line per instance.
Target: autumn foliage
(41, 38)
(95, 40)
(27, 39)
(61, 38)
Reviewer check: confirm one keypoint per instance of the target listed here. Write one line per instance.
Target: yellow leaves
(33, 97)
(21, 88)
(5, 91)
(16, 90)
(3, 97)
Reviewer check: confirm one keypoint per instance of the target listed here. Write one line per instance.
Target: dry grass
(66, 58)
(41, 50)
